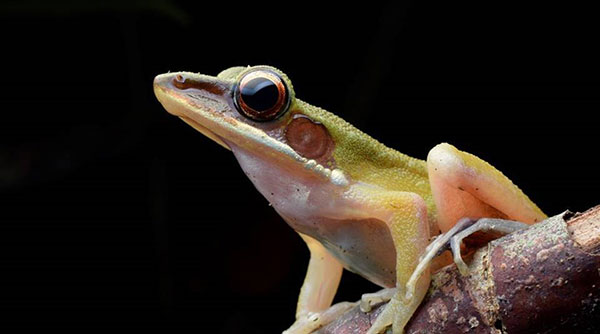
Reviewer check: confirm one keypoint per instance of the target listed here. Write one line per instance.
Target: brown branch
(545, 279)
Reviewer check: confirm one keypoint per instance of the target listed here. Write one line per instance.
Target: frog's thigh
(465, 186)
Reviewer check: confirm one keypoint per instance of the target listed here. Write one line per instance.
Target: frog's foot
(397, 313)
(311, 321)
(385, 318)
(453, 239)
(368, 300)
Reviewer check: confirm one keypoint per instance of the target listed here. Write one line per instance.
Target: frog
(356, 203)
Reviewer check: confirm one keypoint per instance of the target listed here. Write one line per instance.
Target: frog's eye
(261, 95)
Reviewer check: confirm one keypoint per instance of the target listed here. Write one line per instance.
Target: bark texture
(545, 279)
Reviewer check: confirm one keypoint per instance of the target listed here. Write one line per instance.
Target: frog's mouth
(193, 100)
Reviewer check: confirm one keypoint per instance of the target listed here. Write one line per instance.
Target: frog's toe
(486, 225)
(312, 321)
(368, 300)
(385, 319)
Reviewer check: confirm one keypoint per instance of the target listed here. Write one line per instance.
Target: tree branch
(545, 279)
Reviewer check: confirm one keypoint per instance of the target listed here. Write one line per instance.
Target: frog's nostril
(182, 82)
(203, 84)
(179, 81)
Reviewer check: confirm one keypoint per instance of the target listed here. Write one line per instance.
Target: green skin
(357, 203)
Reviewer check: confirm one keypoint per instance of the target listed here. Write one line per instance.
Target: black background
(116, 215)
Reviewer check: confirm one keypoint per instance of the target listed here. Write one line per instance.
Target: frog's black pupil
(260, 94)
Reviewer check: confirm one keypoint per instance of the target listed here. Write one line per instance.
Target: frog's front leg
(318, 290)
(406, 217)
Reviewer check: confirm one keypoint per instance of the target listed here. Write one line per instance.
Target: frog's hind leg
(463, 185)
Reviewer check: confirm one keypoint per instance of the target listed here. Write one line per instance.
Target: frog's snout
(159, 81)
(183, 81)
(179, 91)
(162, 85)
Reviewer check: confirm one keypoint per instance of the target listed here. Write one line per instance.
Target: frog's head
(253, 111)
(304, 160)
